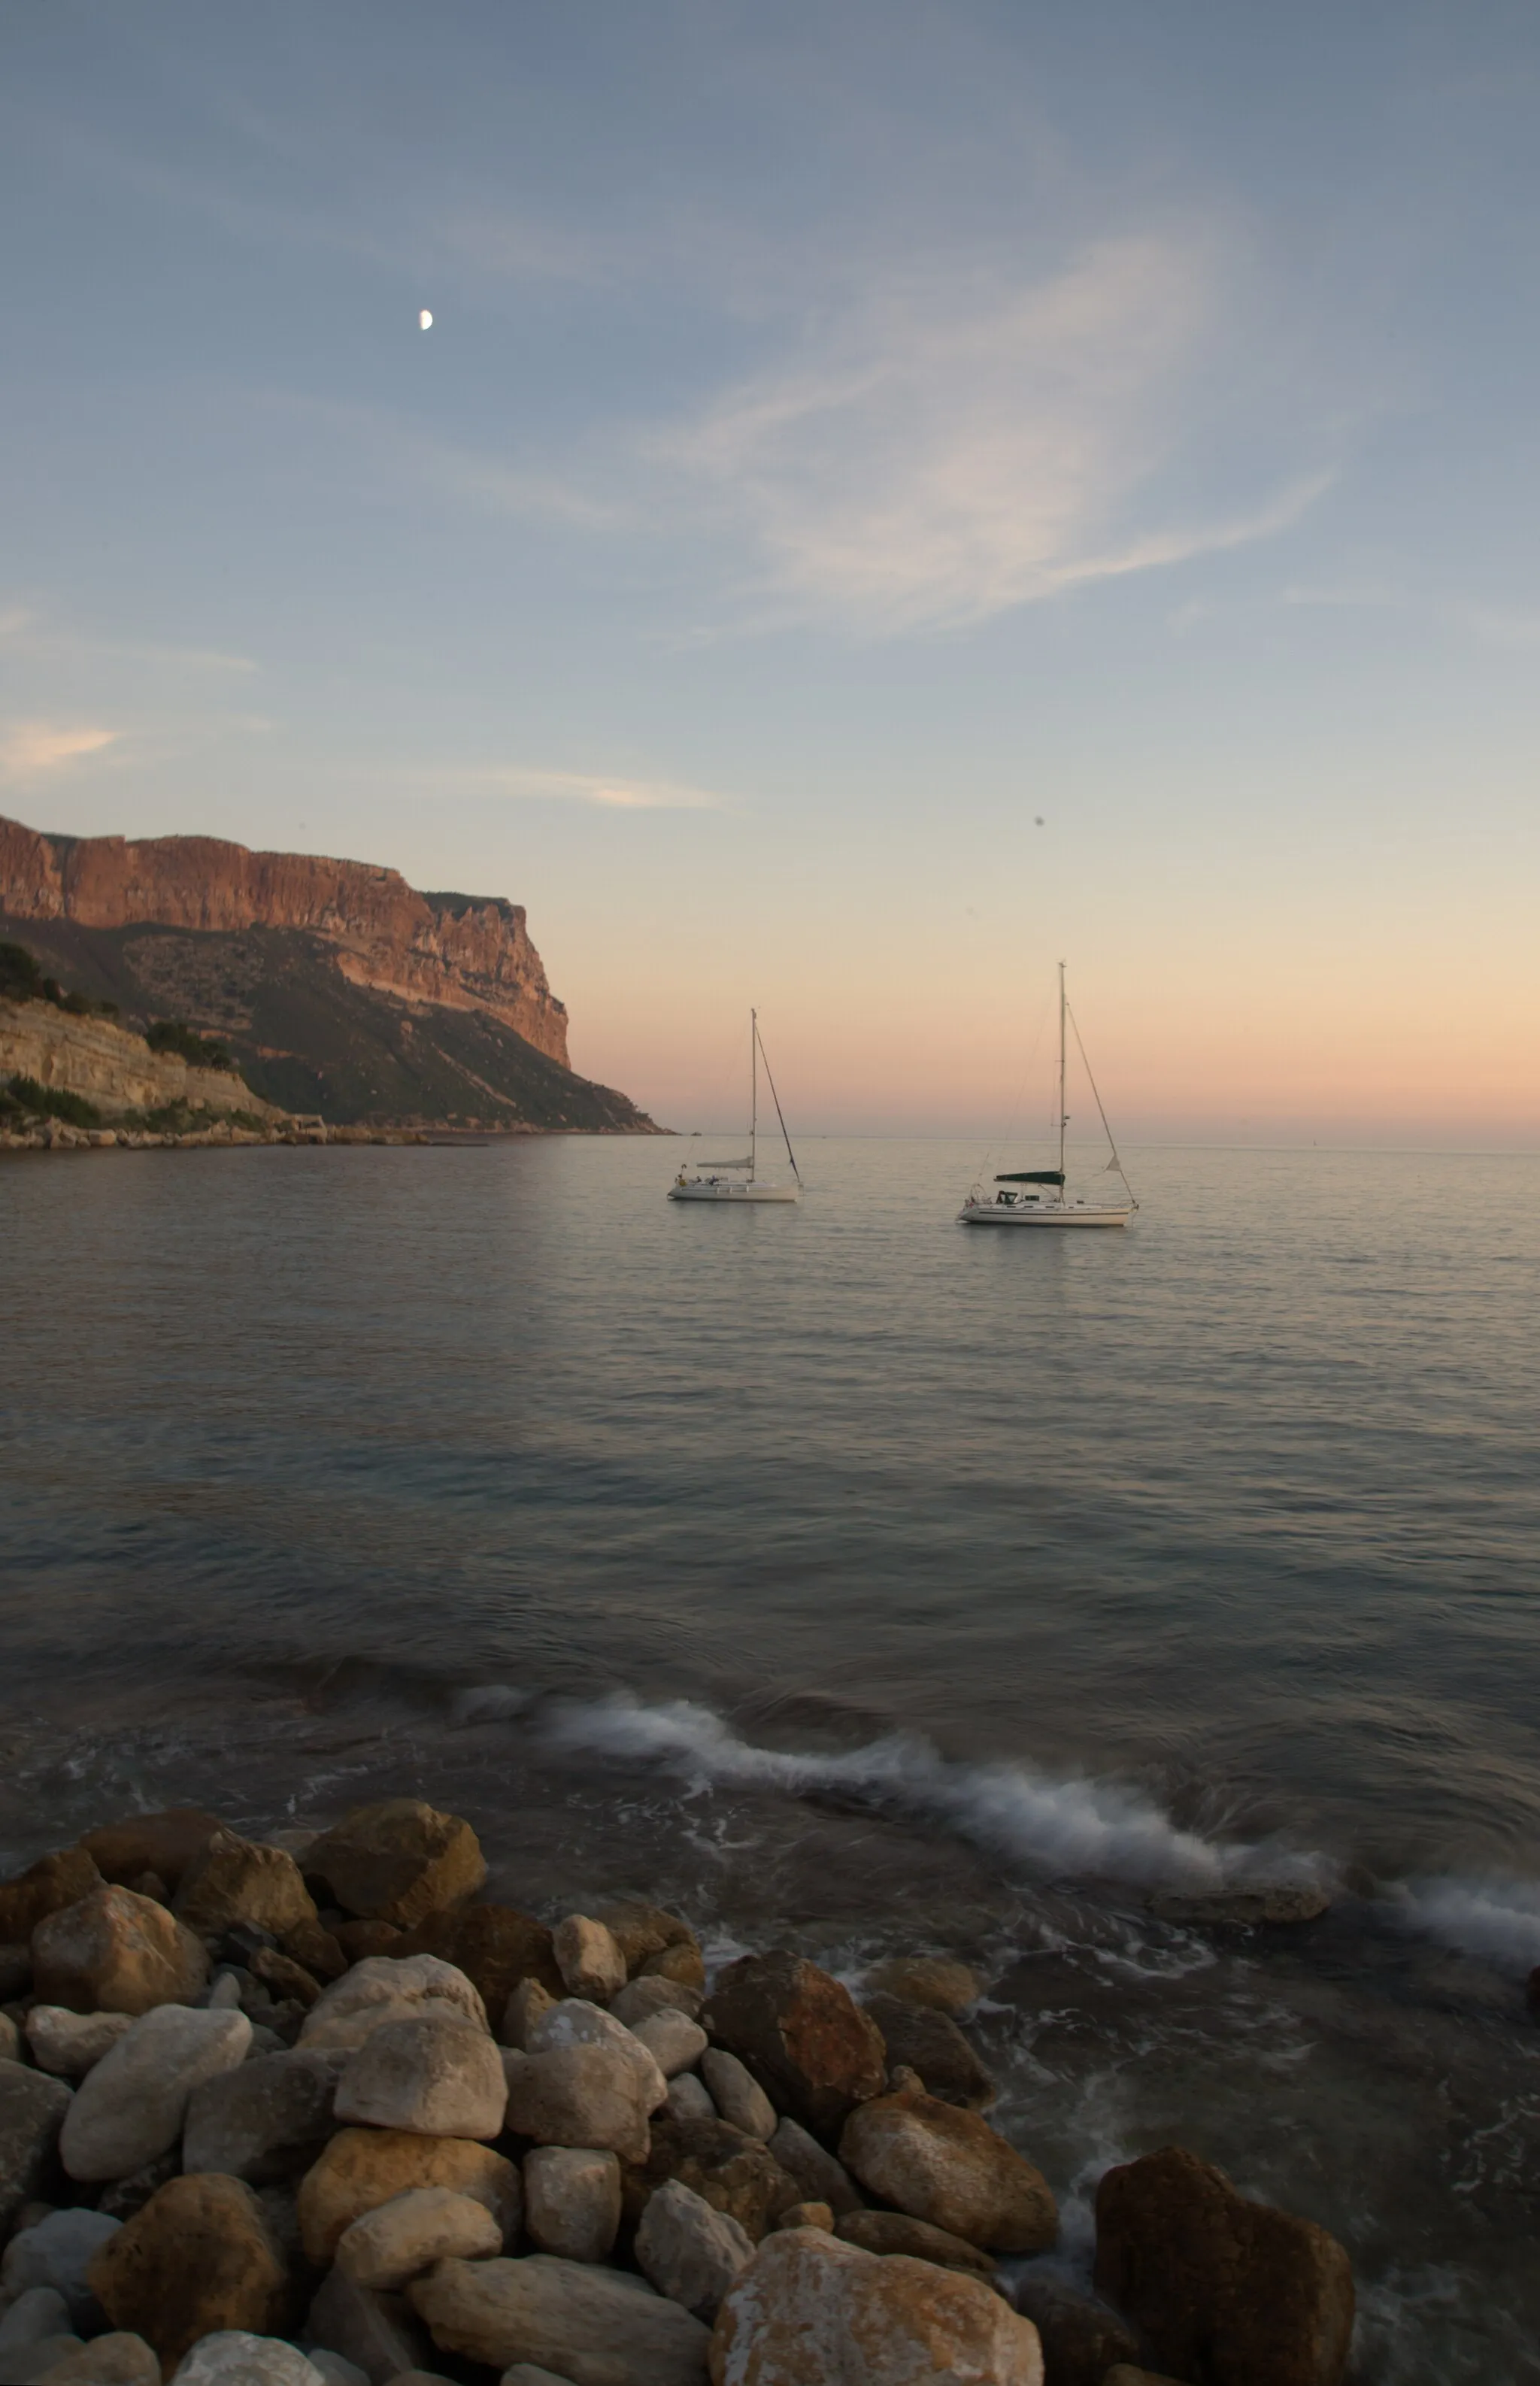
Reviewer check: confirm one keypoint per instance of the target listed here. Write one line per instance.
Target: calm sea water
(854, 1576)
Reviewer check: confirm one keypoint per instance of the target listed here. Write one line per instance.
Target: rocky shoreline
(305, 2111)
(57, 1135)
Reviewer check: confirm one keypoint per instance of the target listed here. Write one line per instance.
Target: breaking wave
(1492, 1915)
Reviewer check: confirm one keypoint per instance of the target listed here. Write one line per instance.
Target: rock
(1236, 2292)
(378, 1991)
(233, 2357)
(525, 2005)
(16, 1971)
(580, 2096)
(434, 2378)
(20, 2364)
(931, 2044)
(31, 2111)
(1082, 2338)
(689, 2099)
(377, 2333)
(399, 2239)
(363, 2168)
(57, 2253)
(590, 1963)
(70, 2045)
(114, 1952)
(691, 2252)
(38, 2312)
(318, 1951)
(118, 2359)
(495, 1946)
(1277, 1903)
(359, 1941)
(1123, 2373)
(197, 2258)
(54, 1881)
(264, 2120)
(572, 2201)
(893, 2232)
(814, 2169)
(733, 2174)
(437, 2074)
(684, 1964)
(284, 1979)
(640, 1998)
(399, 1861)
(131, 2107)
(575, 2022)
(232, 1879)
(127, 2196)
(810, 2308)
(949, 2167)
(10, 2040)
(643, 1931)
(602, 2328)
(737, 2095)
(806, 2042)
(806, 2216)
(933, 1980)
(333, 2369)
(675, 2043)
(164, 1843)
(525, 2373)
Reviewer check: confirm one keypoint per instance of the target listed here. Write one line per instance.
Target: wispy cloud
(613, 793)
(29, 632)
(28, 750)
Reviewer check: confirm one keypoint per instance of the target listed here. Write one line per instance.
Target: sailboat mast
(753, 1090)
(1063, 1114)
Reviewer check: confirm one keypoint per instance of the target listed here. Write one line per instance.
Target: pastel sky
(892, 494)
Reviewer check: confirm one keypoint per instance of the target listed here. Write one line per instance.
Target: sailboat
(1047, 1203)
(738, 1180)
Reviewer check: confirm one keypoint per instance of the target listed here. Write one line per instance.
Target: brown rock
(1235, 2293)
(931, 2044)
(1082, 2338)
(605, 2327)
(893, 2232)
(399, 1861)
(494, 1945)
(32, 2107)
(116, 1953)
(318, 1951)
(642, 1931)
(806, 2216)
(122, 2359)
(198, 2257)
(684, 1964)
(358, 1941)
(731, 2171)
(164, 1843)
(284, 1977)
(1122, 2373)
(951, 2169)
(233, 1880)
(935, 1980)
(54, 1881)
(580, 2096)
(812, 2311)
(801, 2034)
(363, 2168)
(815, 2170)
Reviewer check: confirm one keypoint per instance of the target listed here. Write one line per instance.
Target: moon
(425, 320)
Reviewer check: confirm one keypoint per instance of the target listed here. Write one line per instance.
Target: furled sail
(1032, 1176)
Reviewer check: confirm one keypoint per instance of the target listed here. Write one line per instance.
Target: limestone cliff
(111, 1066)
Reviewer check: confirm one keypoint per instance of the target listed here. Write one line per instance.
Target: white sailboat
(738, 1180)
(1039, 1196)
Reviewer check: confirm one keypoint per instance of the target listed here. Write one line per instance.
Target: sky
(892, 496)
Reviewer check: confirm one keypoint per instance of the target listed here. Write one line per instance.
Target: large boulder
(378, 1991)
(233, 1880)
(163, 1844)
(648, 1937)
(115, 1951)
(233, 2357)
(594, 2326)
(576, 2022)
(437, 2074)
(363, 2168)
(579, 2096)
(399, 1861)
(691, 2252)
(822, 2179)
(120, 2358)
(590, 1963)
(801, 2034)
(572, 2201)
(399, 2239)
(58, 2251)
(1235, 2293)
(734, 2174)
(54, 1881)
(495, 1946)
(32, 2114)
(951, 2169)
(131, 2107)
(199, 2257)
(264, 2120)
(70, 2045)
(1082, 2340)
(675, 2043)
(894, 2233)
(641, 1998)
(937, 1981)
(809, 2308)
(931, 2044)
(737, 2095)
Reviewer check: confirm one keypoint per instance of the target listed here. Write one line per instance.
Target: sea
(864, 1583)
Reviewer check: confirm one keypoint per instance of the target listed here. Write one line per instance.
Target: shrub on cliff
(52, 1102)
(198, 1051)
(21, 978)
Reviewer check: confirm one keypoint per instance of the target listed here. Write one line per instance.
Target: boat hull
(737, 1193)
(1041, 1214)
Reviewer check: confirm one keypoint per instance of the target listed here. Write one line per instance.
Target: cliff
(111, 1066)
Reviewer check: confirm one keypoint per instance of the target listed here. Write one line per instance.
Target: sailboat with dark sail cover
(739, 1180)
(1039, 1196)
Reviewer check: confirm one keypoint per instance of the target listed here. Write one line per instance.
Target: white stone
(399, 2239)
(690, 2099)
(572, 2200)
(70, 2045)
(592, 2326)
(378, 1991)
(231, 2356)
(36, 2313)
(57, 2253)
(580, 2096)
(691, 2253)
(130, 2109)
(577, 2022)
(588, 1959)
(436, 2073)
(737, 2095)
(649, 1995)
(675, 2043)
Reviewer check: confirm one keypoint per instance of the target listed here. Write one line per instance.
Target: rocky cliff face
(463, 952)
(110, 1066)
